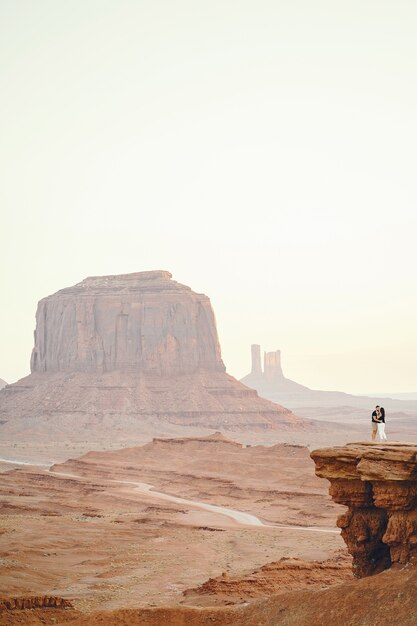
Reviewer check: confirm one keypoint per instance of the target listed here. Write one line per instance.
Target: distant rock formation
(256, 360)
(378, 484)
(132, 353)
(271, 379)
(271, 384)
(2, 383)
(144, 321)
(272, 366)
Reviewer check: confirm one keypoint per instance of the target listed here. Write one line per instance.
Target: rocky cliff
(378, 484)
(144, 321)
(129, 355)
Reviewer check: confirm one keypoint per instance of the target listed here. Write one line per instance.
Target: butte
(129, 357)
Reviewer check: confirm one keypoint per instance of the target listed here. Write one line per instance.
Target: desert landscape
(202, 530)
(142, 484)
(113, 544)
(334, 407)
(208, 396)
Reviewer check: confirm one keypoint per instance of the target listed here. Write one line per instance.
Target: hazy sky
(264, 152)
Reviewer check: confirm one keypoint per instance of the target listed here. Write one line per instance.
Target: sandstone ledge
(378, 484)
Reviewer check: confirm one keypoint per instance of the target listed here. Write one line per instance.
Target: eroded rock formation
(141, 347)
(144, 321)
(276, 577)
(256, 359)
(34, 602)
(270, 380)
(272, 365)
(378, 484)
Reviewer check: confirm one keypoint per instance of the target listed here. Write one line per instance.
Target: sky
(263, 151)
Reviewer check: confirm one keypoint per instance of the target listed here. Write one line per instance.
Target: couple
(378, 423)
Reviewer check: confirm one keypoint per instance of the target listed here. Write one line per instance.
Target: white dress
(381, 431)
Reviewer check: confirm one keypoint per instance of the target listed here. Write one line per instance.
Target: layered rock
(276, 577)
(141, 347)
(34, 602)
(378, 484)
(144, 321)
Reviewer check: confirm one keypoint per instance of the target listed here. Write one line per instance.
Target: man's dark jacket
(382, 418)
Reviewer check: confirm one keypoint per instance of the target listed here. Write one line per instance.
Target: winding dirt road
(239, 516)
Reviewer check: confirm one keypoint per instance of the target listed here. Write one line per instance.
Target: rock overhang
(378, 484)
(368, 461)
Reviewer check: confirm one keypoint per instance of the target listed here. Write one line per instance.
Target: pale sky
(263, 151)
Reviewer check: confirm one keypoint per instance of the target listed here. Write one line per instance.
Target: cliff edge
(378, 484)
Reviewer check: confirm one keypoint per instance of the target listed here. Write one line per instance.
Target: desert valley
(208, 374)
(144, 485)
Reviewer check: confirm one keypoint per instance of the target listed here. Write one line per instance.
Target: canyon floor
(152, 534)
(84, 530)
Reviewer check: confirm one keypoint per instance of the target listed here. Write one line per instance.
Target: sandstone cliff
(378, 484)
(136, 354)
(144, 321)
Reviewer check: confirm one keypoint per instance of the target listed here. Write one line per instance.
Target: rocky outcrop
(34, 602)
(215, 438)
(378, 484)
(2, 383)
(144, 321)
(283, 575)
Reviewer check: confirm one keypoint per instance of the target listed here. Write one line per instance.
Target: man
(378, 423)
